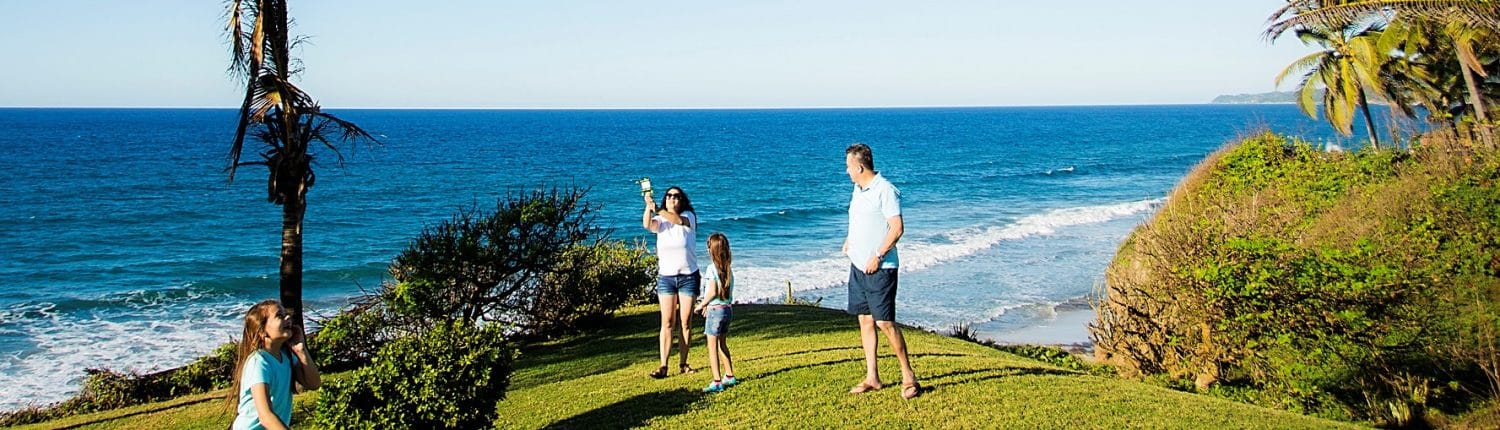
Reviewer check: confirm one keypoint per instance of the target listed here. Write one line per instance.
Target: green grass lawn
(796, 365)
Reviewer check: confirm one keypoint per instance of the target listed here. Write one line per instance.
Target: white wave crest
(142, 336)
(769, 282)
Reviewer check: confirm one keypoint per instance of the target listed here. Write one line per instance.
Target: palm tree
(1341, 13)
(1422, 70)
(283, 118)
(1464, 23)
(1348, 64)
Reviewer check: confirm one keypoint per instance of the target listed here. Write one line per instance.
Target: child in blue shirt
(271, 356)
(715, 308)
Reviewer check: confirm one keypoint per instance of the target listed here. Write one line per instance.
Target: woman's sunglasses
(674, 195)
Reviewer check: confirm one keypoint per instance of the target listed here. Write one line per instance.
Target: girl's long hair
(251, 340)
(718, 250)
(687, 205)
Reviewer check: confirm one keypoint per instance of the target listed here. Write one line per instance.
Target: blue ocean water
(126, 247)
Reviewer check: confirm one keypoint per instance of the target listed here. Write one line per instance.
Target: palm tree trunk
(1475, 98)
(1364, 105)
(291, 255)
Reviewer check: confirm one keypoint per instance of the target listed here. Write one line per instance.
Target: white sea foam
(769, 282)
(139, 335)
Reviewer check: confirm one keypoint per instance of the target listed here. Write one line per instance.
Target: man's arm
(892, 235)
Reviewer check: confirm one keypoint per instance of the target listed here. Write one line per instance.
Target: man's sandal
(863, 388)
(911, 390)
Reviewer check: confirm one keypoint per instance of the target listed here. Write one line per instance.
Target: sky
(655, 54)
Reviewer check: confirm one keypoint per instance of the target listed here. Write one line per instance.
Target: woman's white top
(676, 249)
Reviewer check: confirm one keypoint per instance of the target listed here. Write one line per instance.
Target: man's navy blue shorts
(873, 294)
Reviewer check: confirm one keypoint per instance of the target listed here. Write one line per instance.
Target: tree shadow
(162, 408)
(992, 374)
(805, 366)
(618, 346)
(778, 321)
(810, 351)
(634, 411)
(631, 339)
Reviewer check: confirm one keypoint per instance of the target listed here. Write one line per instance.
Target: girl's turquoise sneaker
(714, 387)
(730, 382)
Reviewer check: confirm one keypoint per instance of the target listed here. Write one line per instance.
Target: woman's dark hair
(687, 205)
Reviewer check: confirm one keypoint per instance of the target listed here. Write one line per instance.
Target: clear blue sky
(610, 54)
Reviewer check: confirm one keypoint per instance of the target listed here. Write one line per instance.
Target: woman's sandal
(660, 372)
(684, 368)
(911, 390)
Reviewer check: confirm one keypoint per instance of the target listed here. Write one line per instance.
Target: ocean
(127, 248)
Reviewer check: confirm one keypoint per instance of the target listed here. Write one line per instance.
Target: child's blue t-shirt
(728, 297)
(262, 368)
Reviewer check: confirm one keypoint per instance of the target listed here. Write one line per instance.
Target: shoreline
(1067, 329)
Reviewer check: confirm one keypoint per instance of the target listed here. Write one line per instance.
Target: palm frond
(1307, 93)
(348, 131)
(235, 30)
(1334, 14)
(1301, 64)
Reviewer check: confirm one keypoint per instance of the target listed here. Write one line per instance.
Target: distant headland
(1271, 97)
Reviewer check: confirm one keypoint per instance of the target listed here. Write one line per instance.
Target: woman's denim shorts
(686, 285)
(716, 320)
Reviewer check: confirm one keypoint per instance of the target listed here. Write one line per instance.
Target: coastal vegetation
(285, 120)
(796, 363)
(1357, 286)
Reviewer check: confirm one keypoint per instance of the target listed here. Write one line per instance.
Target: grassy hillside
(796, 364)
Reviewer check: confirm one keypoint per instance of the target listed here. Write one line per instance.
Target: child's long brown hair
(718, 250)
(254, 338)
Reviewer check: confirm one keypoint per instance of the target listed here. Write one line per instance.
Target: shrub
(449, 377)
(207, 373)
(352, 337)
(487, 264)
(1352, 286)
(589, 284)
(536, 264)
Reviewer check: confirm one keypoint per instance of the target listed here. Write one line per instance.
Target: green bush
(352, 337)
(1361, 286)
(536, 263)
(487, 264)
(207, 373)
(589, 284)
(449, 377)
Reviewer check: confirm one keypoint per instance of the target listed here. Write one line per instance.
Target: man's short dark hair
(862, 155)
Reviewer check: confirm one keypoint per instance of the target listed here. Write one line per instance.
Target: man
(874, 227)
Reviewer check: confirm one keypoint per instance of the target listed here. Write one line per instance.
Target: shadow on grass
(631, 339)
(587, 354)
(777, 321)
(162, 408)
(810, 351)
(954, 378)
(634, 411)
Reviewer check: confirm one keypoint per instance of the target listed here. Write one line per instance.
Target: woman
(678, 282)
